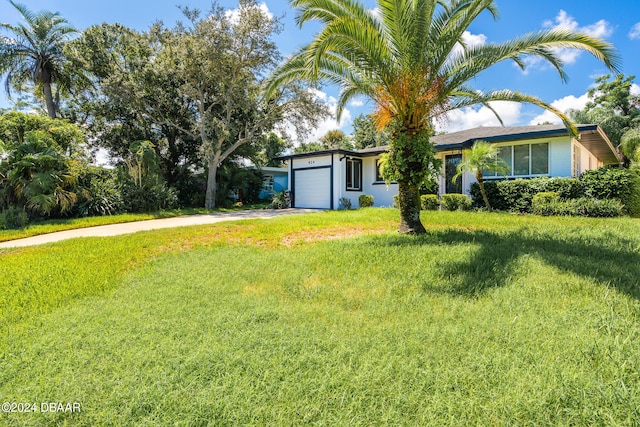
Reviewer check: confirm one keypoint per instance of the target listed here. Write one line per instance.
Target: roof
(590, 135)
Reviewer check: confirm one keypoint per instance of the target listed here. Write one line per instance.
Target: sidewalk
(153, 224)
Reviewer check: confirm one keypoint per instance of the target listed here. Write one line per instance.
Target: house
(275, 180)
(320, 179)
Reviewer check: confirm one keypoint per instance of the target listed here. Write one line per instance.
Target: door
(312, 188)
(450, 164)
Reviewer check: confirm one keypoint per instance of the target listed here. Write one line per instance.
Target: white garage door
(312, 188)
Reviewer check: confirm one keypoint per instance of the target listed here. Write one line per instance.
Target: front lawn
(329, 319)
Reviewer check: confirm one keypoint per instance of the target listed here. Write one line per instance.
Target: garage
(312, 188)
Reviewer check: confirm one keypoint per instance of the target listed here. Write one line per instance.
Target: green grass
(51, 226)
(330, 319)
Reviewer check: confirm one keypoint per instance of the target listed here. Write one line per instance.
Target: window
(354, 174)
(521, 160)
(504, 153)
(539, 159)
(525, 159)
(379, 177)
(267, 183)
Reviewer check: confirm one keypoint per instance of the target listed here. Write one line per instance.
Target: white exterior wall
(339, 183)
(382, 194)
(560, 157)
(586, 160)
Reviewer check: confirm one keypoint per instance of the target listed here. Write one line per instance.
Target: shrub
(587, 206)
(454, 202)
(493, 194)
(280, 200)
(345, 203)
(581, 207)
(429, 202)
(102, 197)
(138, 200)
(620, 184)
(518, 194)
(541, 201)
(396, 204)
(13, 218)
(365, 201)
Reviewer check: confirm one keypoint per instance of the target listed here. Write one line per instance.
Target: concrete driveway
(153, 224)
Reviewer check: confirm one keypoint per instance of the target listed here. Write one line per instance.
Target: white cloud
(326, 125)
(563, 104)
(634, 34)
(357, 103)
(375, 13)
(470, 40)
(635, 90)
(234, 14)
(468, 118)
(330, 123)
(564, 21)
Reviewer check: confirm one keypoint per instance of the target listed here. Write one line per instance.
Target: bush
(365, 201)
(581, 207)
(493, 194)
(13, 218)
(517, 195)
(138, 200)
(620, 184)
(280, 200)
(587, 206)
(542, 200)
(454, 202)
(345, 203)
(103, 196)
(429, 202)
(396, 204)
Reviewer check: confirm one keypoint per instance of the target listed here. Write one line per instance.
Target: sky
(617, 21)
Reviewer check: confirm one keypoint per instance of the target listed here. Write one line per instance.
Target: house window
(354, 174)
(379, 177)
(524, 160)
(504, 153)
(267, 183)
(521, 160)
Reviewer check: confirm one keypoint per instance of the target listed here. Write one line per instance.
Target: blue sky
(616, 21)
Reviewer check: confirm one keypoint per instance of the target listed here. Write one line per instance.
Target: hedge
(454, 202)
(429, 202)
(604, 184)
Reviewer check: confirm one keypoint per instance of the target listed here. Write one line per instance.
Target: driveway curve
(152, 224)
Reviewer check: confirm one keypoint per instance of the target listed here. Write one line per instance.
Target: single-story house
(275, 180)
(320, 179)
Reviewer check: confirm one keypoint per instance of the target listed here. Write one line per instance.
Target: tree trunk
(482, 191)
(212, 185)
(409, 204)
(48, 99)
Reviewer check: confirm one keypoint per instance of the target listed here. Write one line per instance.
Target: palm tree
(411, 59)
(483, 157)
(32, 53)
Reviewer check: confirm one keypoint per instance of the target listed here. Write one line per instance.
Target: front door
(450, 164)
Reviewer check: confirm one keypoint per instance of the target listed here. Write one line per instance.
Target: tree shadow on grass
(609, 259)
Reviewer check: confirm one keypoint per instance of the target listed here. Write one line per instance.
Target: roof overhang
(592, 137)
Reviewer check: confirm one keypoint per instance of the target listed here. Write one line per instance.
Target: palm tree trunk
(48, 99)
(482, 191)
(409, 204)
